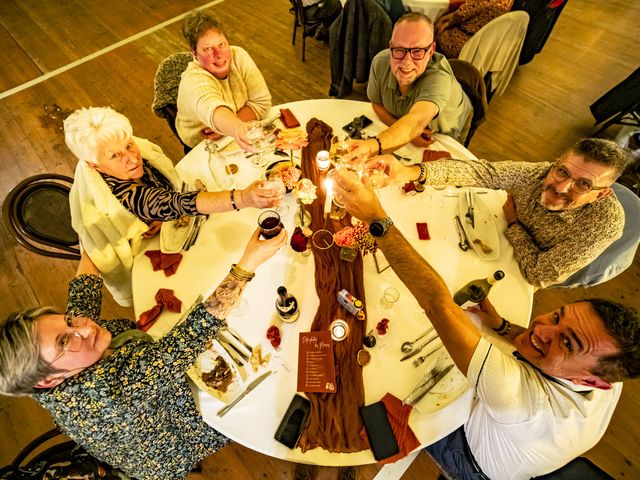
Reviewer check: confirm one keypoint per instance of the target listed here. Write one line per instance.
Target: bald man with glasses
(414, 91)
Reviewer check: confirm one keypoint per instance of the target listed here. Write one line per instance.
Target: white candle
(328, 185)
(322, 160)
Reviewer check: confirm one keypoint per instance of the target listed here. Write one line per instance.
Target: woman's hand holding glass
(259, 195)
(258, 250)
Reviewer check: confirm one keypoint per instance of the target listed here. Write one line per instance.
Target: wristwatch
(378, 228)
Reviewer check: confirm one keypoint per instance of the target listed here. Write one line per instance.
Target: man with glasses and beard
(560, 216)
(414, 91)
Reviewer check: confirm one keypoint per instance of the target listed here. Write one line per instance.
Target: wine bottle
(476, 290)
(287, 306)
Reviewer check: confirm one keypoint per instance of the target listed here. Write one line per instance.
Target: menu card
(316, 369)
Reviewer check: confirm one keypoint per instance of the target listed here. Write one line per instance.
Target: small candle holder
(322, 160)
(339, 329)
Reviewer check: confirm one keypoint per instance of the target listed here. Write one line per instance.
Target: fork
(420, 360)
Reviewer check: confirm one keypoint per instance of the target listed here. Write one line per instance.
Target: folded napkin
(398, 415)
(164, 298)
(431, 155)
(168, 262)
(288, 118)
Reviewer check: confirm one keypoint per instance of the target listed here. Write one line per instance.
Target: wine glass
(262, 142)
(272, 179)
(377, 172)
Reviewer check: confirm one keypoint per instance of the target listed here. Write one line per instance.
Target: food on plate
(181, 222)
(486, 249)
(257, 360)
(220, 377)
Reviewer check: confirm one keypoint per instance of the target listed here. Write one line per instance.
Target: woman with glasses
(122, 396)
(414, 91)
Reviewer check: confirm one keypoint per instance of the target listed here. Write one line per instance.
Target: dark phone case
(381, 438)
(293, 422)
(366, 121)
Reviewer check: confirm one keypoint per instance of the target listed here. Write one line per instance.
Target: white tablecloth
(254, 420)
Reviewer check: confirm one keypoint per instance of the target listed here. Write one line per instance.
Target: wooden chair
(53, 456)
(473, 85)
(36, 212)
(165, 89)
(309, 27)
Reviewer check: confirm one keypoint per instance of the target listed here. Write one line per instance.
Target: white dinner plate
(205, 363)
(172, 237)
(483, 235)
(446, 390)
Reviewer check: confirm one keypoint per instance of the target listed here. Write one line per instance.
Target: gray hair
(85, 130)
(196, 24)
(415, 17)
(21, 366)
(605, 152)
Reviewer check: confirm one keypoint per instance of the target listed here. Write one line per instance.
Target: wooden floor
(544, 111)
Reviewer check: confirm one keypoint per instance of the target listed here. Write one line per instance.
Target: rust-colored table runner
(334, 422)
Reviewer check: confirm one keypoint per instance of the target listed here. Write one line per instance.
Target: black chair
(309, 27)
(61, 459)
(165, 89)
(578, 468)
(36, 212)
(473, 85)
(619, 105)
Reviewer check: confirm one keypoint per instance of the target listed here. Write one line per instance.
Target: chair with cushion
(165, 89)
(620, 254)
(473, 85)
(52, 456)
(36, 212)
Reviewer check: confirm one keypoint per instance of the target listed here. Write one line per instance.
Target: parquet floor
(75, 53)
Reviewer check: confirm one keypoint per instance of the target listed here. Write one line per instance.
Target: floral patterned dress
(134, 408)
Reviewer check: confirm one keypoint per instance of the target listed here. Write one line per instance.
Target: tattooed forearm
(220, 303)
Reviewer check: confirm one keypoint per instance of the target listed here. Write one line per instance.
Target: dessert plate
(206, 363)
(482, 233)
(174, 234)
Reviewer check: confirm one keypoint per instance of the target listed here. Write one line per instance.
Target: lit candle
(328, 185)
(322, 160)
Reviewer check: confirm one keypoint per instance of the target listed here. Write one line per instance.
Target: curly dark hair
(606, 152)
(196, 24)
(623, 324)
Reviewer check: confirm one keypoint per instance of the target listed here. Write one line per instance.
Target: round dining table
(222, 239)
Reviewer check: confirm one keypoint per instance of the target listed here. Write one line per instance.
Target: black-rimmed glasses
(578, 185)
(399, 53)
(71, 342)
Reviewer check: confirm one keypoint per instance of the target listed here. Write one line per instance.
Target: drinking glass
(241, 308)
(339, 147)
(389, 297)
(273, 180)
(269, 223)
(378, 173)
(219, 167)
(262, 142)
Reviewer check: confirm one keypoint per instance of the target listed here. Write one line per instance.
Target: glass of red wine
(270, 224)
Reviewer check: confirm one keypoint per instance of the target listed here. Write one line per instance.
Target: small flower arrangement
(290, 176)
(382, 326)
(291, 139)
(305, 191)
(345, 237)
(300, 239)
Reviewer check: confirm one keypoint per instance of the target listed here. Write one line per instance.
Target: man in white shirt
(535, 412)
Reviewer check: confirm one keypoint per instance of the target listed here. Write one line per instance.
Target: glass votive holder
(339, 329)
(322, 160)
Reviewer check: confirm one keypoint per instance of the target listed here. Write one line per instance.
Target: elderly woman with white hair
(125, 186)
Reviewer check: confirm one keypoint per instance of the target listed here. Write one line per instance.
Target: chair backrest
(496, 48)
(52, 456)
(620, 254)
(165, 87)
(473, 85)
(578, 468)
(37, 213)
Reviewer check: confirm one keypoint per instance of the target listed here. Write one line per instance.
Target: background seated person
(221, 89)
(124, 187)
(413, 90)
(560, 216)
(455, 28)
(533, 411)
(110, 387)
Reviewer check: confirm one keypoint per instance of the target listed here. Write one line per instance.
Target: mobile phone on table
(355, 127)
(381, 437)
(294, 420)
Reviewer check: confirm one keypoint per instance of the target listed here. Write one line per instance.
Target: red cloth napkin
(423, 231)
(431, 155)
(288, 118)
(168, 262)
(164, 298)
(398, 415)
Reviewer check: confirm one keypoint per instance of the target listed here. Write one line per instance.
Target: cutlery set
(426, 385)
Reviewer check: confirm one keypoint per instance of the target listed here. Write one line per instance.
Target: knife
(423, 388)
(225, 343)
(418, 349)
(224, 410)
(238, 337)
(470, 214)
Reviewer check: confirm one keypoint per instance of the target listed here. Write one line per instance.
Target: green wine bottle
(476, 290)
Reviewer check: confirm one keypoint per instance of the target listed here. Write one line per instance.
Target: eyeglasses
(71, 342)
(416, 53)
(578, 185)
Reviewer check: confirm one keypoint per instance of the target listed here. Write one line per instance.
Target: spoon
(408, 346)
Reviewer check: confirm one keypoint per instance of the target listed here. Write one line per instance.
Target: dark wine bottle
(287, 306)
(476, 290)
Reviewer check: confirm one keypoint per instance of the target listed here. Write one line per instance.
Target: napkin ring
(240, 274)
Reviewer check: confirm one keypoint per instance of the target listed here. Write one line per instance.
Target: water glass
(389, 297)
(272, 180)
(378, 173)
